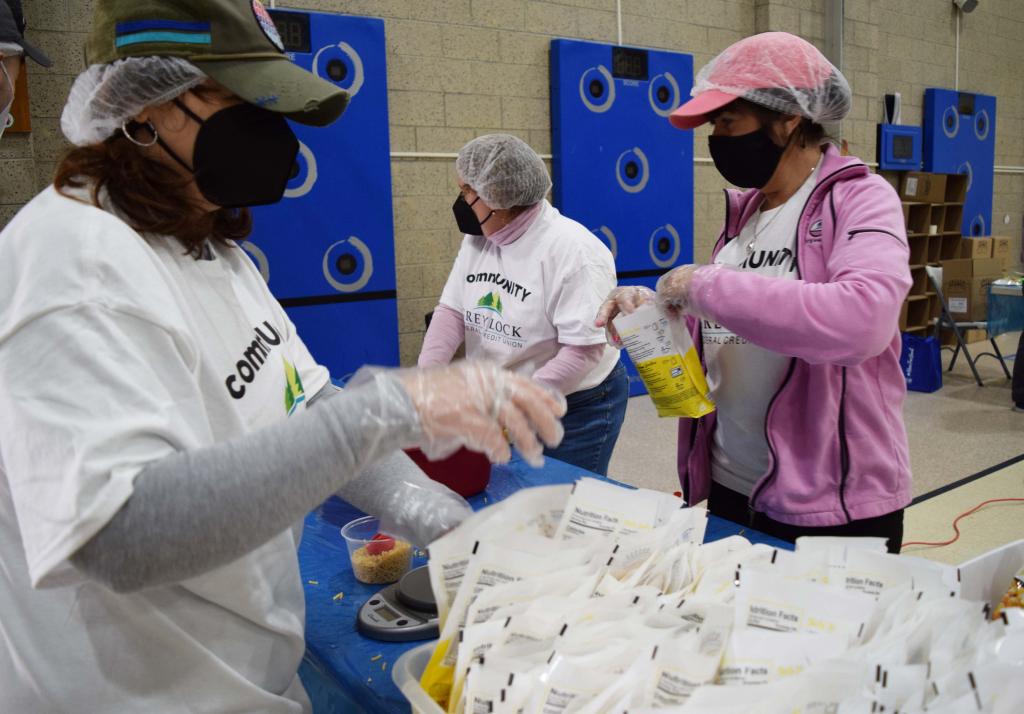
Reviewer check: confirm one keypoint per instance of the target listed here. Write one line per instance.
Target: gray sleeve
(409, 503)
(194, 511)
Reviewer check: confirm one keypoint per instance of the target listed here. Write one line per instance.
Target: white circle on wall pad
(950, 122)
(357, 67)
(671, 260)
(978, 227)
(258, 257)
(675, 94)
(311, 174)
(609, 84)
(981, 125)
(367, 272)
(643, 170)
(609, 239)
(968, 170)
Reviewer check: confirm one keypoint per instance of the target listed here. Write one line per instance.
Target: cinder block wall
(460, 68)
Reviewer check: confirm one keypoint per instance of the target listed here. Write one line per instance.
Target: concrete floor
(958, 431)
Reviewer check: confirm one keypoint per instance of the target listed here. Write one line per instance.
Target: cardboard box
(927, 188)
(956, 188)
(1002, 251)
(967, 298)
(967, 268)
(965, 286)
(976, 248)
(948, 339)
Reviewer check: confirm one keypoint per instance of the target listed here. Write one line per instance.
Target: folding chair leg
(956, 353)
(961, 345)
(1002, 362)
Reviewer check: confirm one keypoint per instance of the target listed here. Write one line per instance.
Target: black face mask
(748, 160)
(244, 155)
(466, 219)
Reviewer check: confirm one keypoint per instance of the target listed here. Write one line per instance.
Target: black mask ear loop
(489, 215)
(163, 145)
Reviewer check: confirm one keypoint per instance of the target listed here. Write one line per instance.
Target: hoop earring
(148, 125)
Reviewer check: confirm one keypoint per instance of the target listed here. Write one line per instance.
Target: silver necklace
(758, 231)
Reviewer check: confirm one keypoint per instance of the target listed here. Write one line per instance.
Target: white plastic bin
(988, 576)
(406, 673)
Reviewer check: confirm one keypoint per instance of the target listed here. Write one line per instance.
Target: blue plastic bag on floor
(921, 363)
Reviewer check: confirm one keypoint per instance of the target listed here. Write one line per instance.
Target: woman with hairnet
(523, 292)
(797, 314)
(163, 430)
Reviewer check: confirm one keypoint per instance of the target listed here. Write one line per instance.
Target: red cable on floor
(957, 520)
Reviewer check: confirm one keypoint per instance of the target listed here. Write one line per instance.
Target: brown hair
(806, 132)
(150, 197)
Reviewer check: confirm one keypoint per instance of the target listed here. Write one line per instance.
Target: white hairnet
(504, 170)
(106, 95)
(782, 72)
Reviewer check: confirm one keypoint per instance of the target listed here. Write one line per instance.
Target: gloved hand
(673, 290)
(410, 504)
(482, 407)
(626, 300)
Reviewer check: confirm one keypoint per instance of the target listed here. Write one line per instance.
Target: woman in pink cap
(796, 316)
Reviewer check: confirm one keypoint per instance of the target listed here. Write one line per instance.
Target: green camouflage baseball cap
(235, 42)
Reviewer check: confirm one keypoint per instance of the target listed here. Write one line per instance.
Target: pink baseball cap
(774, 69)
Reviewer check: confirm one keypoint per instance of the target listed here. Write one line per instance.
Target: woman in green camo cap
(162, 428)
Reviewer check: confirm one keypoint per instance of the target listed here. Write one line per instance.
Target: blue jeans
(592, 423)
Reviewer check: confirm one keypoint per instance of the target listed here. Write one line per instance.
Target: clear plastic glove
(673, 290)
(410, 504)
(626, 300)
(482, 407)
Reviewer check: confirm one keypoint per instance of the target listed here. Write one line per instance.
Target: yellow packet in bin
(667, 361)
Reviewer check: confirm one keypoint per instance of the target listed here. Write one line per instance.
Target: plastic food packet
(598, 508)
(810, 566)
(571, 680)
(900, 688)
(756, 656)
(716, 567)
(490, 565)
(537, 628)
(1014, 597)
(771, 602)
(531, 510)
(667, 362)
(678, 672)
(491, 682)
(475, 641)
(871, 573)
(819, 690)
(577, 583)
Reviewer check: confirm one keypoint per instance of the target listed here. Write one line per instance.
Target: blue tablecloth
(343, 671)
(1005, 309)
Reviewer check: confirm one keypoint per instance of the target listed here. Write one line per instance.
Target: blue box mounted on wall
(620, 168)
(327, 250)
(960, 138)
(899, 147)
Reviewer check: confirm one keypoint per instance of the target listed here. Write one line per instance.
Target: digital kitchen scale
(403, 612)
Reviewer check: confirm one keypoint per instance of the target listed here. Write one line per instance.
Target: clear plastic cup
(375, 561)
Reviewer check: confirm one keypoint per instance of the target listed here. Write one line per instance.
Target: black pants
(1018, 374)
(731, 505)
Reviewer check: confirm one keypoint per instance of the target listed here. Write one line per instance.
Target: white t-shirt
(521, 301)
(116, 351)
(743, 377)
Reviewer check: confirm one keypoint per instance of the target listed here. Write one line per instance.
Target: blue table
(343, 671)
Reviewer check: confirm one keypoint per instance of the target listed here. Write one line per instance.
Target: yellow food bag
(438, 677)
(667, 361)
